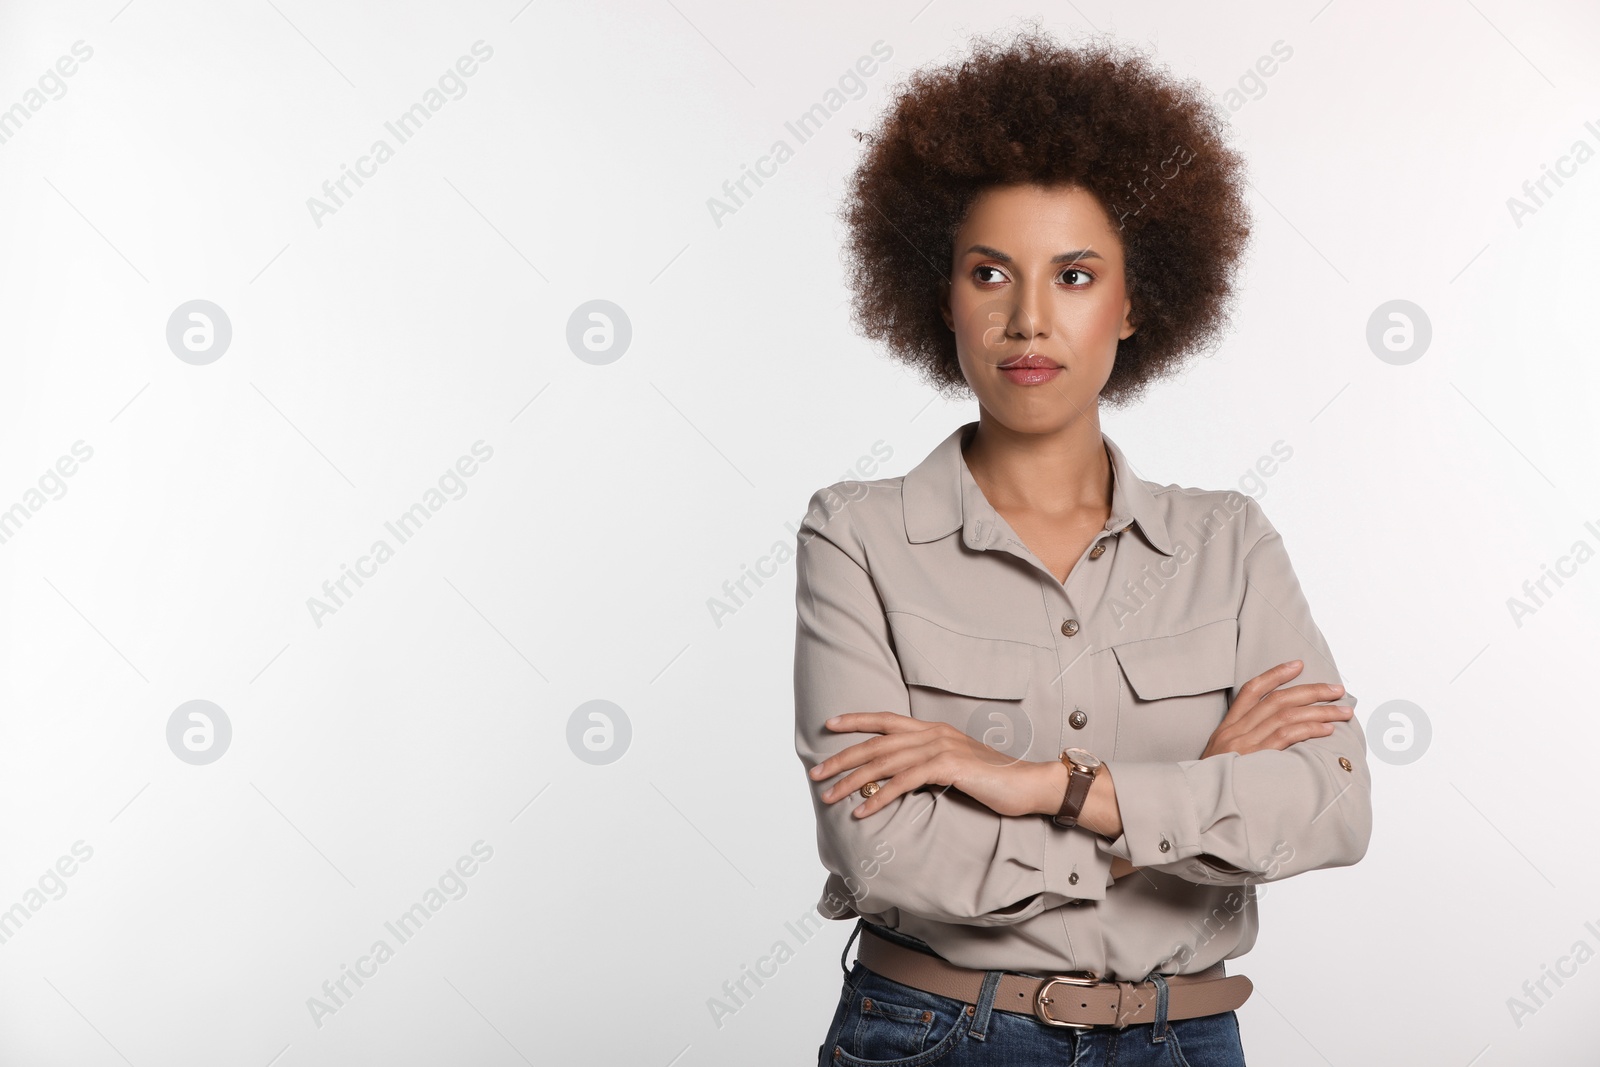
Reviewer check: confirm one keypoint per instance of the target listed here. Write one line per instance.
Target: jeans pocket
(887, 1024)
(1206, 1041)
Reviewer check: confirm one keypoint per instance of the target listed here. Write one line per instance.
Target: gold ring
(870, 790)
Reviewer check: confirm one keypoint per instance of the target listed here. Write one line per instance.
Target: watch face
(1083, 756)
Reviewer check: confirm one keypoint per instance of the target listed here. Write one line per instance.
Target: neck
(1052, 472)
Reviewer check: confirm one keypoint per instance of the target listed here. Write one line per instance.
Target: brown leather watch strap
(1078, 786)
(1103, 1003)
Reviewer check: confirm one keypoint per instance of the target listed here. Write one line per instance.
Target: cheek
(981, 330)
(973, 322)
(1114, 317)
(1099, 317)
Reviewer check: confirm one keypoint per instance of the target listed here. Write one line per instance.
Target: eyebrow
(1064, 257)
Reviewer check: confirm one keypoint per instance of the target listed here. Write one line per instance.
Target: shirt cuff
(1073, 865)
(1208, 870)
(1159, 822)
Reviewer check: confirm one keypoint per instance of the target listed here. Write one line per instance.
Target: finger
(1251, 692)
(873, 722)
(1320, 717)
(1315, 714)
(904, 781)
(1272, 677)
(887, 723)
(864, 757)
(1293, 697)
(1308, 726)
(1311, 692)
(1310, 713)
(846, 758)
(1330, 712)
(887, 763)
(1285, 736)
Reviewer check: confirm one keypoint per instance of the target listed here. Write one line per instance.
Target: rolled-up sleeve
(1229, 819)
(934, 852)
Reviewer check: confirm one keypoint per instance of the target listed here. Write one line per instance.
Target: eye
(986, 266)
(1085, 275)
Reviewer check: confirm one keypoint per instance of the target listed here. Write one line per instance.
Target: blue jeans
(881, 1023)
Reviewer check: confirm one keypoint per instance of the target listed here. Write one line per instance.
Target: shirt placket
(1088, 705)
(1076, 622)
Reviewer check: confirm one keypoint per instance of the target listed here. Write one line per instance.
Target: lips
(1031, 370)
(1030, 361)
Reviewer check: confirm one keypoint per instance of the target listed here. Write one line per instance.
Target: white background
(430, 312)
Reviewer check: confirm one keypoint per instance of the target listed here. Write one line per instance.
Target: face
(1038, 301)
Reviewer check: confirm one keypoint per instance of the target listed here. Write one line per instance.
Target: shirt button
(1344, 763)
(1164, 846)
(1072, 879)
(1099, 550)
(1078, 719)
(1069, 627)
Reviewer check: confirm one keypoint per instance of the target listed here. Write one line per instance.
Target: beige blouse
(914, 595)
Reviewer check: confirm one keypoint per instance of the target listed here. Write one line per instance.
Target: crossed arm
(1281, 760)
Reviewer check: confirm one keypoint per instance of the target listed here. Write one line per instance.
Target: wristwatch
(1083, 764)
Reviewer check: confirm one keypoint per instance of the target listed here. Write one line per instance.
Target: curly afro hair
(1101, 117)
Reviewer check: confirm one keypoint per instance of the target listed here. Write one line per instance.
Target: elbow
(866, 868)
(1339, 837)
(1359, 837)
(863, 867)
(1351, 833)
(876, 871)
(867, 882)
(1343, 850)
(1340, 829)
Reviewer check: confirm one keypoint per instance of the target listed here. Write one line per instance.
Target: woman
(1044, 704)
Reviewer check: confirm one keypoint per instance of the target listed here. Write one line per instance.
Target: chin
(1039, 417)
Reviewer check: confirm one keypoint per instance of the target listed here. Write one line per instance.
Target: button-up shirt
(914, 595)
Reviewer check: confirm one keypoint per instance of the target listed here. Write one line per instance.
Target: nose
(1018, 314)
(1030, 311)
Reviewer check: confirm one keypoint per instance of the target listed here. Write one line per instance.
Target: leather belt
(1077, 999)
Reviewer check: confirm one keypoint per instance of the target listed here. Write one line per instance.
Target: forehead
(1038, 221)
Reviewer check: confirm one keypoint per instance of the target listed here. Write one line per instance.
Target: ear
(944, 305)
(1127, 320)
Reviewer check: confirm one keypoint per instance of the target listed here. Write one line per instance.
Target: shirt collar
(940, 495)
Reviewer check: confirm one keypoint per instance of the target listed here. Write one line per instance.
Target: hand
(913, 753)
(1120, 867)
(1263, 716)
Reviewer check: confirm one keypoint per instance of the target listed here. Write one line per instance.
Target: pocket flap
(1195, 661)
(940, 658)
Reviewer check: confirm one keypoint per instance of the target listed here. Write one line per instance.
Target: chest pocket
(1174, 691)
(976, 684)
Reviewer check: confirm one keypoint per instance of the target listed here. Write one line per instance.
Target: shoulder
(1200, 517)
(852, 512)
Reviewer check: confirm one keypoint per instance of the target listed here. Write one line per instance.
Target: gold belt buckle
(1041, 998)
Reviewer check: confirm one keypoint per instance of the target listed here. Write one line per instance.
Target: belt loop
(856, 930)
(1158, 1034)
(980, 1017)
